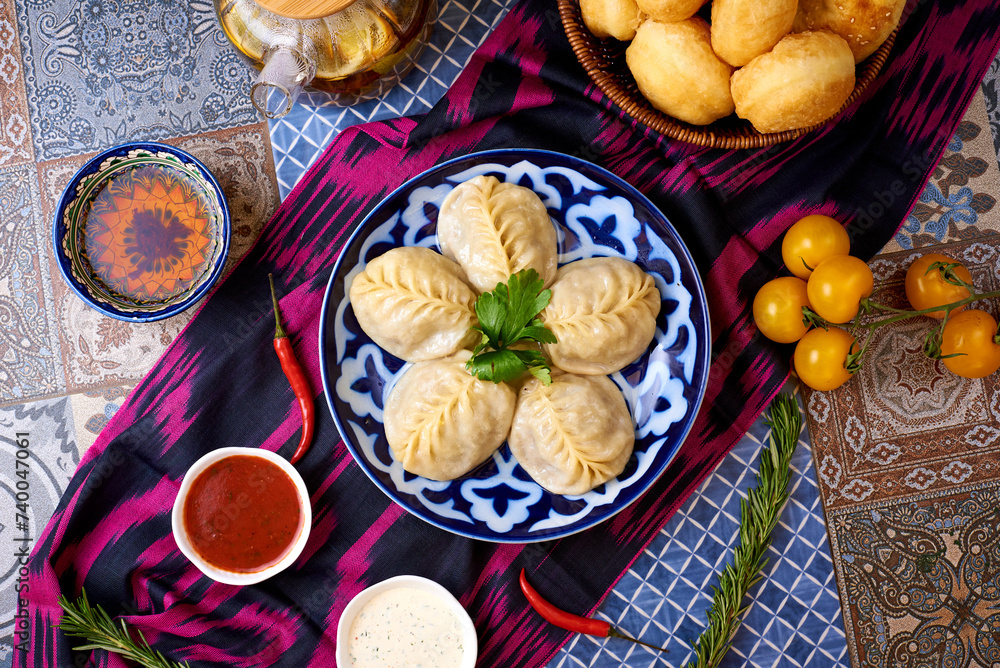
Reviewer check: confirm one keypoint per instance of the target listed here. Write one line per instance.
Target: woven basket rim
(585, 45)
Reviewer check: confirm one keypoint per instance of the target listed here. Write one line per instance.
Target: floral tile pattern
(38, 456)
(963, 191)
(77, 76)
(92, 410)
(15, 140)
(98, 351)
(922, 575)
(905, 424)
(907, 454)
(30, 364)
(102, 72)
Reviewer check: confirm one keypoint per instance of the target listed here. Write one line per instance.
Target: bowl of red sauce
(241, 515)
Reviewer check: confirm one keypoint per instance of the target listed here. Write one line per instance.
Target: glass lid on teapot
(351, 50)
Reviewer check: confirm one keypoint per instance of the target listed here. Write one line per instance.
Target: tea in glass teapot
(352, 50)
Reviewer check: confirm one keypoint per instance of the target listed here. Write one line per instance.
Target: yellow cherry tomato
(821, 358)
(837, 286)
(970, 334)
(927, 288)
(810, 241)
(777, 309)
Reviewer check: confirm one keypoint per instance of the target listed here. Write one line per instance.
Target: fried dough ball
(802, 81)
(669, 11)
(677, 71)
(865, 24)
(744, 29)
(611, 18)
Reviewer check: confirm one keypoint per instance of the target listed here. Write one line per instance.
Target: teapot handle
(285, 74)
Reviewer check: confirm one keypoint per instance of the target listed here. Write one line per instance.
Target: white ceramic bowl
(231, 577)
(469, 639)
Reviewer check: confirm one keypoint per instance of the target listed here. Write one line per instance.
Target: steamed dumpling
(441, 421)
(572, 435)
(603, 313)
(494, 230)
(414, 303)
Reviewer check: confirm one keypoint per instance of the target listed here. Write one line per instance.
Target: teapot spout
(285, 74)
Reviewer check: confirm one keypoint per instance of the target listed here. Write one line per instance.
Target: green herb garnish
(82, 620)
(507, 316)
(759, 514)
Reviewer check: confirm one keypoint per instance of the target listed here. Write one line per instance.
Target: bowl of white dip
(406, 620)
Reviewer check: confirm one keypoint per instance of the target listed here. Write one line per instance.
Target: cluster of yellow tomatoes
(830, 287)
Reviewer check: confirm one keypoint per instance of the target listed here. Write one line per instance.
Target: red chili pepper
(296, 378)
(571, 622)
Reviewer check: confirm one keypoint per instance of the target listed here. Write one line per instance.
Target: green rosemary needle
(759, 514)
(92, 623)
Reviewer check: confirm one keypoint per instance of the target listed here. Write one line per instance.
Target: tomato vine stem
(932, 341)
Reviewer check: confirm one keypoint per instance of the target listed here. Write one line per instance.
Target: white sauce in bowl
(405, 626)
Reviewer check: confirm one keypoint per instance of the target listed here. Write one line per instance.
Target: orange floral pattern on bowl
(150, 235)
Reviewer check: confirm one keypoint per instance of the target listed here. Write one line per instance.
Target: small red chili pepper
(296, 378)
(571, 622)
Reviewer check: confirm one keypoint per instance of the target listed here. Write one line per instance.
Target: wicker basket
(605, 64)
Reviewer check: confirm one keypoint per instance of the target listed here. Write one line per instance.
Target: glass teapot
(352, 50)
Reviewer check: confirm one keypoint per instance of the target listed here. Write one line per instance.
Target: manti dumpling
(572, 435)
(415, 304)
(494, 230)
(441, 421)
(603, 313)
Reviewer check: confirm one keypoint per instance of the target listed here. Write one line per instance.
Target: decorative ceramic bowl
(141, 232)
(604, 62)
(468, 638)
(228, 514)
(595, 214)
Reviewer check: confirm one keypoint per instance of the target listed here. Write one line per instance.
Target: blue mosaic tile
(794, 618)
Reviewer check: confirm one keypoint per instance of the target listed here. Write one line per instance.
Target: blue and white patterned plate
(597, 214)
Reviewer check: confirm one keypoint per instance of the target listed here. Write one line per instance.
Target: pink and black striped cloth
(220, 385)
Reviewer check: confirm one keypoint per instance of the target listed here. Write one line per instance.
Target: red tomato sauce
(242, 514)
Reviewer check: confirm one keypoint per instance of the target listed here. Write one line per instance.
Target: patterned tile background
(102, 72)
(907, 453)
(79, 77)
(70, 84)
(76, 77)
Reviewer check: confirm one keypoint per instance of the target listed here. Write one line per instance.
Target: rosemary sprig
(759, 514)
(92, 623)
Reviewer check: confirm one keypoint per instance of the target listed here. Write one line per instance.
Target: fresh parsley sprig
(92, 623)
(509, 315)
